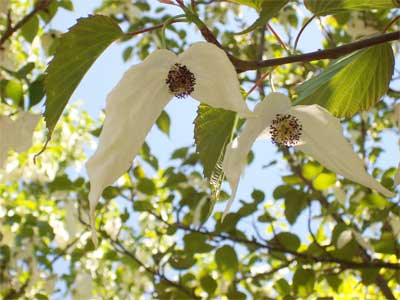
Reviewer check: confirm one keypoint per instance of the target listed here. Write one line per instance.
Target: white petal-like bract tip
(132, 108)
(322, 138)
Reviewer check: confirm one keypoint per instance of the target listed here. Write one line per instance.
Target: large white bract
(16, 134)
(321, 137)
(203, 71)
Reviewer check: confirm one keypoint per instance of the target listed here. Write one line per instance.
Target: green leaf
(368, 275)
(36, 91)
(282, 287)
(324, 181)
(286, 240)
(195, 242)
(212, 132)
(146, 186)
(30, 29)
(164, 122)
(324, 7)
(303, 282)
(142, 205)
(66, 4)
(352, 84)
(14, 91)
(269, 9)
(78, 50)
(208, 284)
(227, 262)
(295, 202)
(181, 260)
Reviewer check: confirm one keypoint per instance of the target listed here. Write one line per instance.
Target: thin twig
(394, 20)
(301, 31)
(40, 6)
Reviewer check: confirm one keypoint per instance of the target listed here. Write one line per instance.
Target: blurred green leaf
(14, 91)
(227, 262)
(164, 122)
(324, 181)
(195, 242)
(303, 282)
(30, 29)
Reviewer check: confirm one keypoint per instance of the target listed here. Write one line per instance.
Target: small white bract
(309, 128)
(16, 135)
(203, 72)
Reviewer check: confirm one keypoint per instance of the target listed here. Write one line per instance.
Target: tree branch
(344, 263)
(380, 281)
(41, 5)
(332, 53)
(121, 249)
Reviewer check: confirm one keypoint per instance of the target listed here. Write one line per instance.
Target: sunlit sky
(109, 68)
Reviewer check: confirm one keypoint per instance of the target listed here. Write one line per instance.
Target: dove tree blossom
(203, 72)
(16, 134)
(310, 129)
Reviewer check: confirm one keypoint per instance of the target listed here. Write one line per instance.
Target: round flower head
(203, 72)
(309, 128)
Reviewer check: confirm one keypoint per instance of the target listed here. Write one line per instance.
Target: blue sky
(109, 68)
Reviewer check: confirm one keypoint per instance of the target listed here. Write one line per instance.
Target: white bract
(16, 134)
(309, 128)
(203, 71)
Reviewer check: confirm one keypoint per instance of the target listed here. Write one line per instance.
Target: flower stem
(301, 31)
(394, 20)
(164, 27)
(281, 42)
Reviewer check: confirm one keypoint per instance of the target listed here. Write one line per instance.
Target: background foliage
(160, 238)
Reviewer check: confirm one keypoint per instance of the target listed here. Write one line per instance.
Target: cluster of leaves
(160, 237)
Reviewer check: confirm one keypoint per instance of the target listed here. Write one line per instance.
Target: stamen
(285, 130)
(180, 81)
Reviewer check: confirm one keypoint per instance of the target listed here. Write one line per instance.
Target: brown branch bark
(40, 6)
(332, 53)
(242, 65)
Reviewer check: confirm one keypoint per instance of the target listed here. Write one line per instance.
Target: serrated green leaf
(352, 84)
(212, 132)
(78, 50)
(269, 8)
(324, 7)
